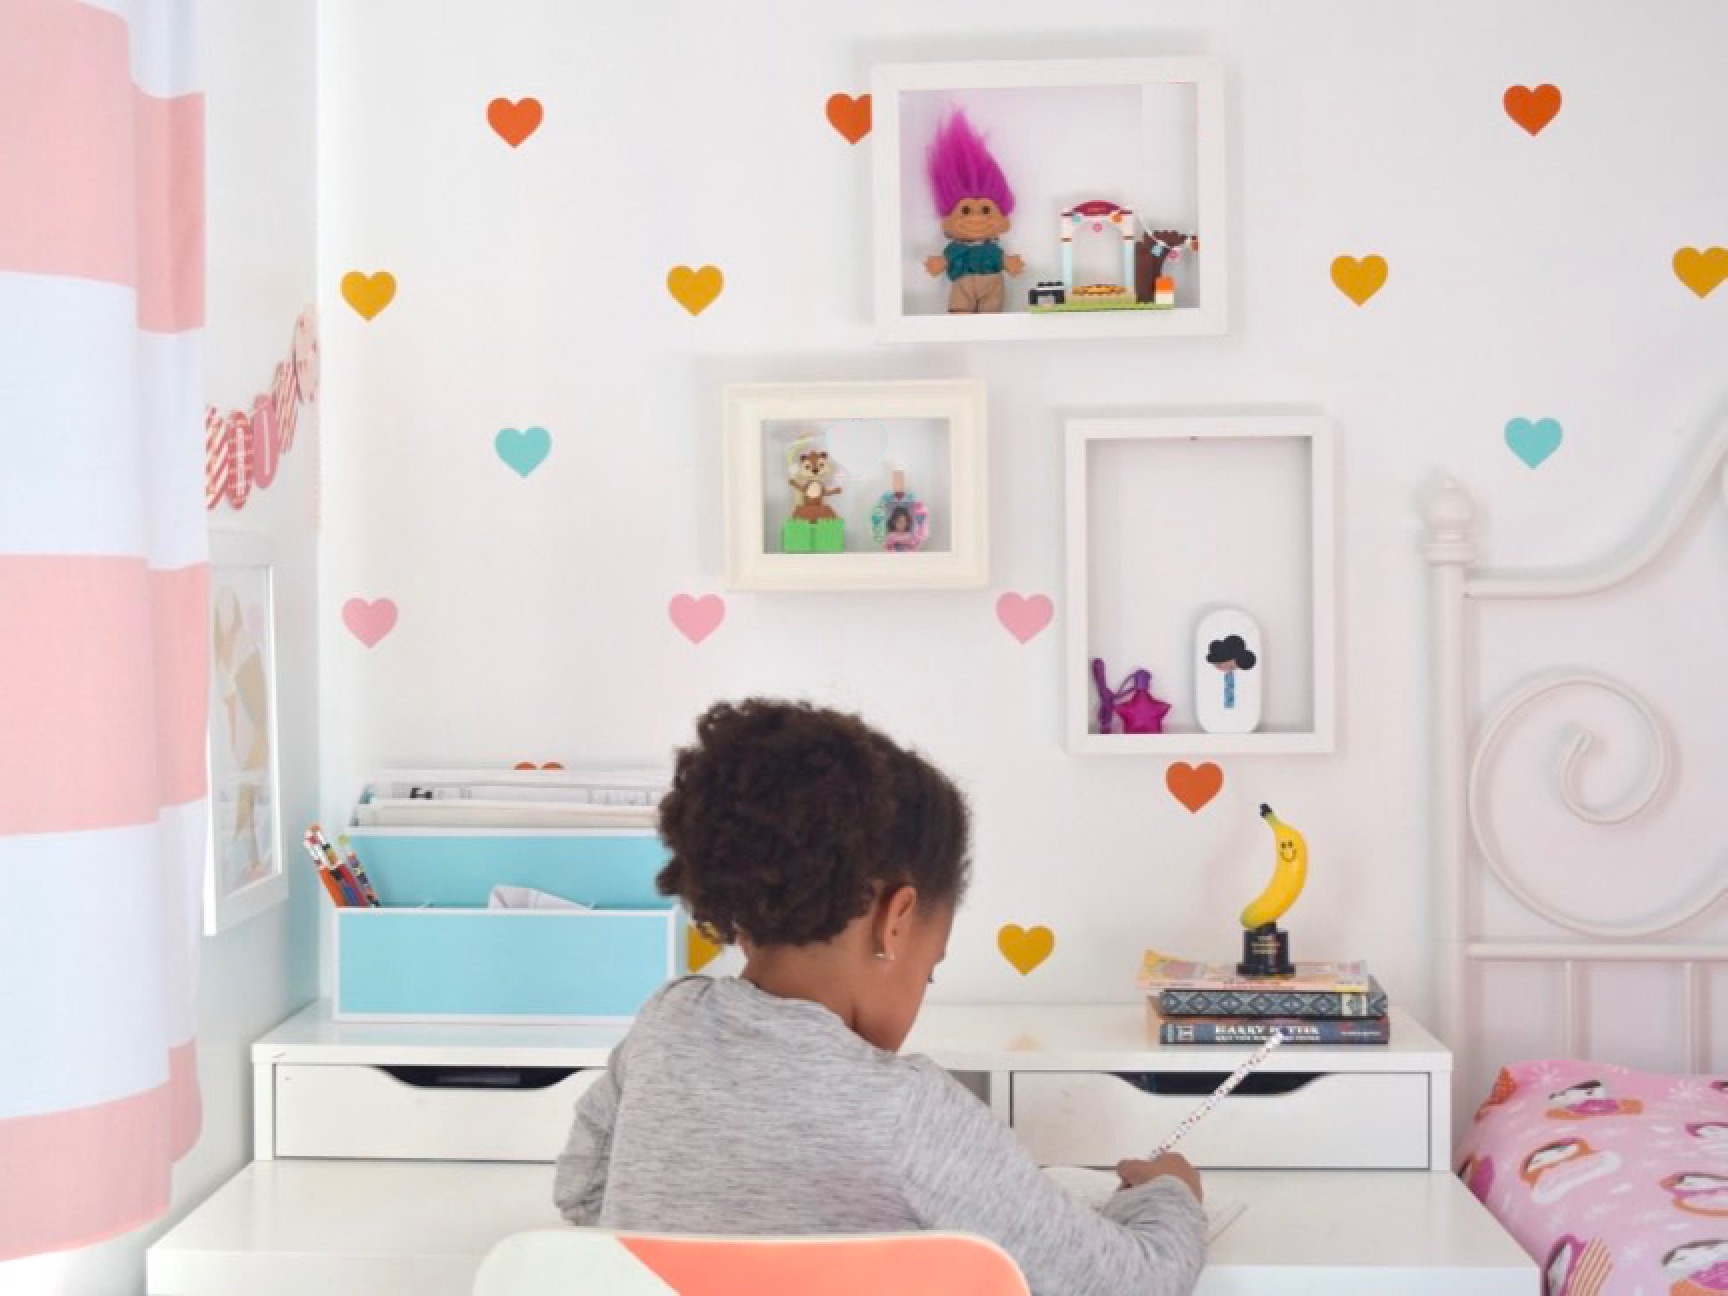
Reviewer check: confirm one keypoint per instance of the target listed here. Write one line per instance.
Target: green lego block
(797, 536)
(830, 535)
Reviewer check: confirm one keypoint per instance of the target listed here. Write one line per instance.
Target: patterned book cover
(1266, 1001)
(1160, 972)
(1254, 1030)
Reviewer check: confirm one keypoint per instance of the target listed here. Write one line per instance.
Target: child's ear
(895, 911)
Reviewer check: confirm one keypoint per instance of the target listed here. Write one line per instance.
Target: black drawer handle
(1197, 1084)
(480, 1077)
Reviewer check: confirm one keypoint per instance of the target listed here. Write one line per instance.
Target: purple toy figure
(1131, 702)
(973, 202)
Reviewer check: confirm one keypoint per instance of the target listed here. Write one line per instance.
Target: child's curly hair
(785, 820)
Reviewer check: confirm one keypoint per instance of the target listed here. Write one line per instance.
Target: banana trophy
(1266, 950)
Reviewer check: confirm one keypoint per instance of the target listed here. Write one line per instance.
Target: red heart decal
(849, 116)
(1532, 108)
(1194, 786)
(530, 765)
(516, 121)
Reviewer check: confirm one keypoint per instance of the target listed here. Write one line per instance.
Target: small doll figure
(1130, 702)
(814, 477)
(900, 521)
(973, 202)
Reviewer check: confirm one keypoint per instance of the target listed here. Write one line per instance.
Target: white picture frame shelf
(936, 425)
(1048, 176)
(1255, 491)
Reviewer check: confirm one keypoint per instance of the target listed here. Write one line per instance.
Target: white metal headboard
(1460, 756)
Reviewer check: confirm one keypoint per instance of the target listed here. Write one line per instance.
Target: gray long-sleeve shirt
(730, 1110)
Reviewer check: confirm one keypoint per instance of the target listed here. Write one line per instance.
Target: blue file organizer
(458, 961)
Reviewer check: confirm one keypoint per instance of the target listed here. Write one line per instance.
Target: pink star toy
(1130, 703)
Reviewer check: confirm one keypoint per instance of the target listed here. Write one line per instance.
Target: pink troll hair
(960, 166)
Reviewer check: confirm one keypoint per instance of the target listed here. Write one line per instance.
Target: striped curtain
(103, 588)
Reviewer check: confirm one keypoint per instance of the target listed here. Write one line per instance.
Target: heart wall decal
(1701, 271)
(1025, 947)
(1531, 107)
(514, 121)
(368, 294)
(1024, 616)
(1533, 442)
(697, 618)
(695, 290)
(530, 765)
(523, 450)
(849, 116)
(1194, 785)
(699, 951)
(1359, 280)
(369, 620)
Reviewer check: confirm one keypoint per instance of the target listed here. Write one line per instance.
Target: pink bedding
(1616, 1181)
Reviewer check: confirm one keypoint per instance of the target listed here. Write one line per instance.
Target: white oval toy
(1227, 672)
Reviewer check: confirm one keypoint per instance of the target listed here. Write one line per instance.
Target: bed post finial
(1451, 517)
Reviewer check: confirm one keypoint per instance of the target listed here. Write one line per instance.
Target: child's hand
(1174, 1164)
(936, 264)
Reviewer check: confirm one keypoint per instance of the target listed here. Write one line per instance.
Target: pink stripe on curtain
(85, 143)
(119, 732)
(104, 664)
(76, 1177)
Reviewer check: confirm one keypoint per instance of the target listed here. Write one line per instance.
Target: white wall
(258, 74)
(1529, 277)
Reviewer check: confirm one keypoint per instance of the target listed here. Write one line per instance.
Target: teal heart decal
(523, 450)
(1533, 442)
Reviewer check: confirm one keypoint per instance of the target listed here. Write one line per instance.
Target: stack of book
(1210, 1003)
(512, 799)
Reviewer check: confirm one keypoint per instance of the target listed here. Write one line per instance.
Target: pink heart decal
(1024, 617)
(369, 621)
(697, 618)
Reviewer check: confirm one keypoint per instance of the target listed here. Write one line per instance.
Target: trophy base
(1266, 953)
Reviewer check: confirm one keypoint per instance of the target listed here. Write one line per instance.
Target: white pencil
(1212, 1099)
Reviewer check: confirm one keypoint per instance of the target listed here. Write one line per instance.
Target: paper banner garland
(243, 448)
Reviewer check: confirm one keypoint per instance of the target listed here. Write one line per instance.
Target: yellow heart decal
(695, 290)
(1025, 948)
(369, 294)
(1359, 280)
(699, 951)
(1701, 271)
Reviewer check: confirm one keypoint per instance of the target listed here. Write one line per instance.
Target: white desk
(1342, 1156)
(402, 1228)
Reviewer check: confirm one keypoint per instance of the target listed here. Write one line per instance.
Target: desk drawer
(427, 1113)
(1277, 1120)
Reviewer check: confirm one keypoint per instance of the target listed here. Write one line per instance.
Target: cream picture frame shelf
(1041, 192)
(949, 411)
(1169, 517)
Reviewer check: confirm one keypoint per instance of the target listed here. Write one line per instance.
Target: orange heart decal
(695, 290)
(1701, 271)
(1359, 280)
(1194, 786)
(368, 293)
(1025, 947)
(1532, 108)
(699, 951)
(516, 121)
(530, 765)
(849, 116)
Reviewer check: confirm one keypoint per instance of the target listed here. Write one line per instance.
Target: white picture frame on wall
(932, 431)
(1169, 518)
(1164, 158)
(245, 870)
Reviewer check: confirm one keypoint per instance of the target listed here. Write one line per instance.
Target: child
(775, 1102)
